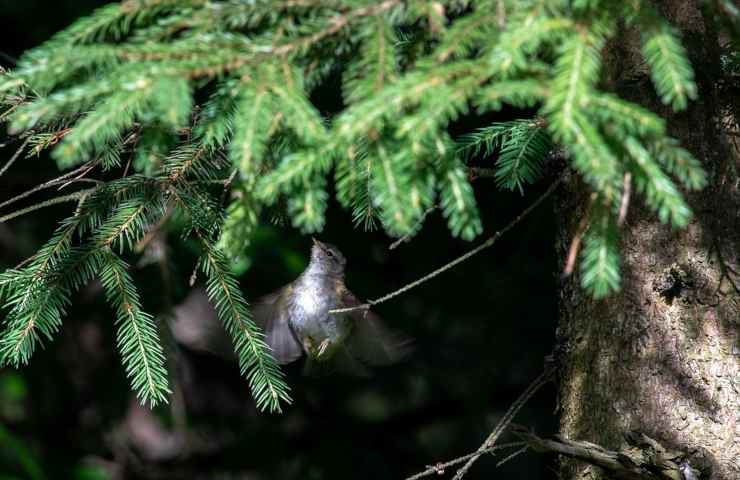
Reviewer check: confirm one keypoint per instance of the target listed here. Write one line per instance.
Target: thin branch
(15, 156)
(626, 193)
(490, 241)
(408, 236)
(648, 461)
(513, 455)
(8, 58)
(79, 178)
(533, 387)
(227, 184)
(154, 231)
(575, 243)
(439, 467)
(480, 172)
(47, 203)
(50, 183)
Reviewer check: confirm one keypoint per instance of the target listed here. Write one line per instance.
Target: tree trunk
(663, 356)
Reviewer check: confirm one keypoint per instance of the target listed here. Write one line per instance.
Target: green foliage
(600, 265)
(670, 69)
(522, 146)
(242, 218)
(181, 99)
(38, 295)
(458, 202)
(137, 336)
(256, 362)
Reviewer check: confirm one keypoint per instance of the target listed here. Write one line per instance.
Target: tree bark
(662, 357)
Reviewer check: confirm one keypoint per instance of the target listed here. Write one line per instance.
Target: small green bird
(296, 319)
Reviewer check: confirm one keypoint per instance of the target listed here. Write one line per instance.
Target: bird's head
(328, 258)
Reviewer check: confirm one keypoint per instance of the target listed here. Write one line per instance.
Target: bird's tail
(341, 361)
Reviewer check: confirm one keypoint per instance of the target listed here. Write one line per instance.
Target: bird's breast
(310, 316)
(309, 300)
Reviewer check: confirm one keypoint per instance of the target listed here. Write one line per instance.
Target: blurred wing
(370, 340)
(274, 322)
(195, 324)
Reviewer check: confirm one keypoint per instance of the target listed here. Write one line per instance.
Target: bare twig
(15, 156)
(78, 178)
(480, 172)
(406, 237)
(626, 193)
(227, 184)
(575, 243)
(8, 58)
(538, 382)
(47, 203)
(50, 183)
(512, 455)
(490, 241)
(134, 140)
(439, 467)
(152, 233)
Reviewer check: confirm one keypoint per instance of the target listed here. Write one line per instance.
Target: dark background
(481, 332)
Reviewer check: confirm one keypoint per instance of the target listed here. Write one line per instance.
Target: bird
(298, 320)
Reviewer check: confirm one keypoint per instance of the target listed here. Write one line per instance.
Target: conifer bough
(202, 94)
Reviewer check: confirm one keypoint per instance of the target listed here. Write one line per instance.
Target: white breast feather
(308, 300)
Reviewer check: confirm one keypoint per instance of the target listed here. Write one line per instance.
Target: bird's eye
(330, 253)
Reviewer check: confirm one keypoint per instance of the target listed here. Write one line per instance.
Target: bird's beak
(316, 242)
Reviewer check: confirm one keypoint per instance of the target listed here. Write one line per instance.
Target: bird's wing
(370, 340)
(195, 324)
(274, 322)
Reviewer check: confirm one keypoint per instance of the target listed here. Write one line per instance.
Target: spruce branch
(600, 261)
(337, 24)
(255, 360)
(38, 295)
(660, 192)
(670, 69)
(377, 62)
(253, 114)
(137, 337)
(522, 146)
(129, 79)
(458, 203)
(390, 182)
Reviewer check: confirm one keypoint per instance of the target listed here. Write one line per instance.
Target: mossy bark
(662, 356)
